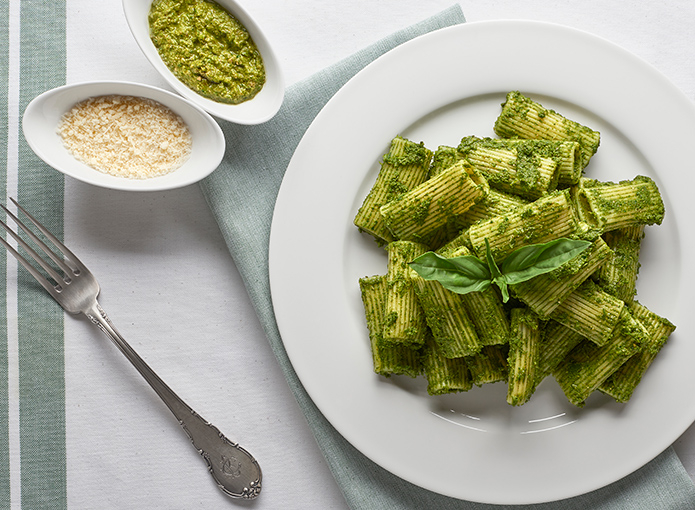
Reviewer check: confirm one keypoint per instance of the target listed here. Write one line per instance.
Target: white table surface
(172, 289)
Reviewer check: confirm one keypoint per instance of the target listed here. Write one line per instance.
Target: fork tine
(34, 272)
(52, 272)
(69, 264)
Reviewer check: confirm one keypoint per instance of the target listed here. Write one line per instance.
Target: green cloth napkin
(241, 194)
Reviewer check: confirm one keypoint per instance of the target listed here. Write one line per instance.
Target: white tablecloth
(173, 291)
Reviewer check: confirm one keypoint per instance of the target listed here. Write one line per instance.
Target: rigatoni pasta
(448, 319)
(622, 383)
(483, 200)
(404, 319)
(522, 117)
(590, 311)
(509, 169)
(588, 365)
(545, 219)
(524, 348)
(427, 207)
(444, 375)
(388, 359)
(405, 166)
(610, 206)
(544, 293)
(618, 275)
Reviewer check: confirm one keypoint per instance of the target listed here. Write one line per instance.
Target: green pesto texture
(556, 342)
(587, 366)
(443, 158)
(522, 117)
(623, 382)
(521, 167)
(590, 312)
(444, 375)
(208, 49)
(388, 359)
(422, 211)
(543, 220)
(622, 204)
(618, 276)
(524, 344)
(412, 154)
(489, 365)
(544, 293)
(405, 166)
(448, 320)
(404, 319)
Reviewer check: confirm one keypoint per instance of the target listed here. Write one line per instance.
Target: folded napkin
(241, 194)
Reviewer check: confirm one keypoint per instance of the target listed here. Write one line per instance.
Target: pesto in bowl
(254, 110)
(207, 48)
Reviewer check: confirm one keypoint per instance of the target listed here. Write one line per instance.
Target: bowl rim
(43, 113)
(257, 110)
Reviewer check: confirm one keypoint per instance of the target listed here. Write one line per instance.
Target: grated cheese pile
(126, 136)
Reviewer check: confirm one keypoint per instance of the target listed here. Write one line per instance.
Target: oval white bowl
(43, 114)
(255, 111)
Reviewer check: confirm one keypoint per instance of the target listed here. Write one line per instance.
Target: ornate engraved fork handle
(235, 471)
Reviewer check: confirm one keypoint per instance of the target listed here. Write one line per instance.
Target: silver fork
(235, 471)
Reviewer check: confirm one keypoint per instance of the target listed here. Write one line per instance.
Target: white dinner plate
(437, 89)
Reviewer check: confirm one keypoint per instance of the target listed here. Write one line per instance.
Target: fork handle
(234, 469)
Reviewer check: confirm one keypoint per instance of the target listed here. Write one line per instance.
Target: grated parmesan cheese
(126, 136)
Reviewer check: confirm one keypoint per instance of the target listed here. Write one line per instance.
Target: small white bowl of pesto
(123, 135)
(211, 52)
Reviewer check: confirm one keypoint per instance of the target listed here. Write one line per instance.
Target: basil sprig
(470, 274)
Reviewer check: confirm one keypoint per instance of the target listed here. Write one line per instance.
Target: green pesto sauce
(395, 188)
(207, 48)
(412, 154)
(421, 210)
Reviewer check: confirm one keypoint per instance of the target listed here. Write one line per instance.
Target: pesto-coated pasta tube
(388, 359)
(610, 206)
(444, 157)
(556, 343)
(405, 166)
(618, 275)
(522, 360)
(567, 154)
(511, 170)
(460, 241)
(590, 311)
(404, 319)
(622, 383)
(522, 117)
(494, 204)
(486, 311)
(545, 292)
(489, 365)
(444, 375)
(447, 317)
(546, 219)
(588, 365)
(421, 211)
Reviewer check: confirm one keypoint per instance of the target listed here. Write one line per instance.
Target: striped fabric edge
(39, 478)
(5, 489)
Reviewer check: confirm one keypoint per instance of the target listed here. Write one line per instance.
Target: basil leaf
(470, 274)
(498, 278)
(536, 259)
(458, 274)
